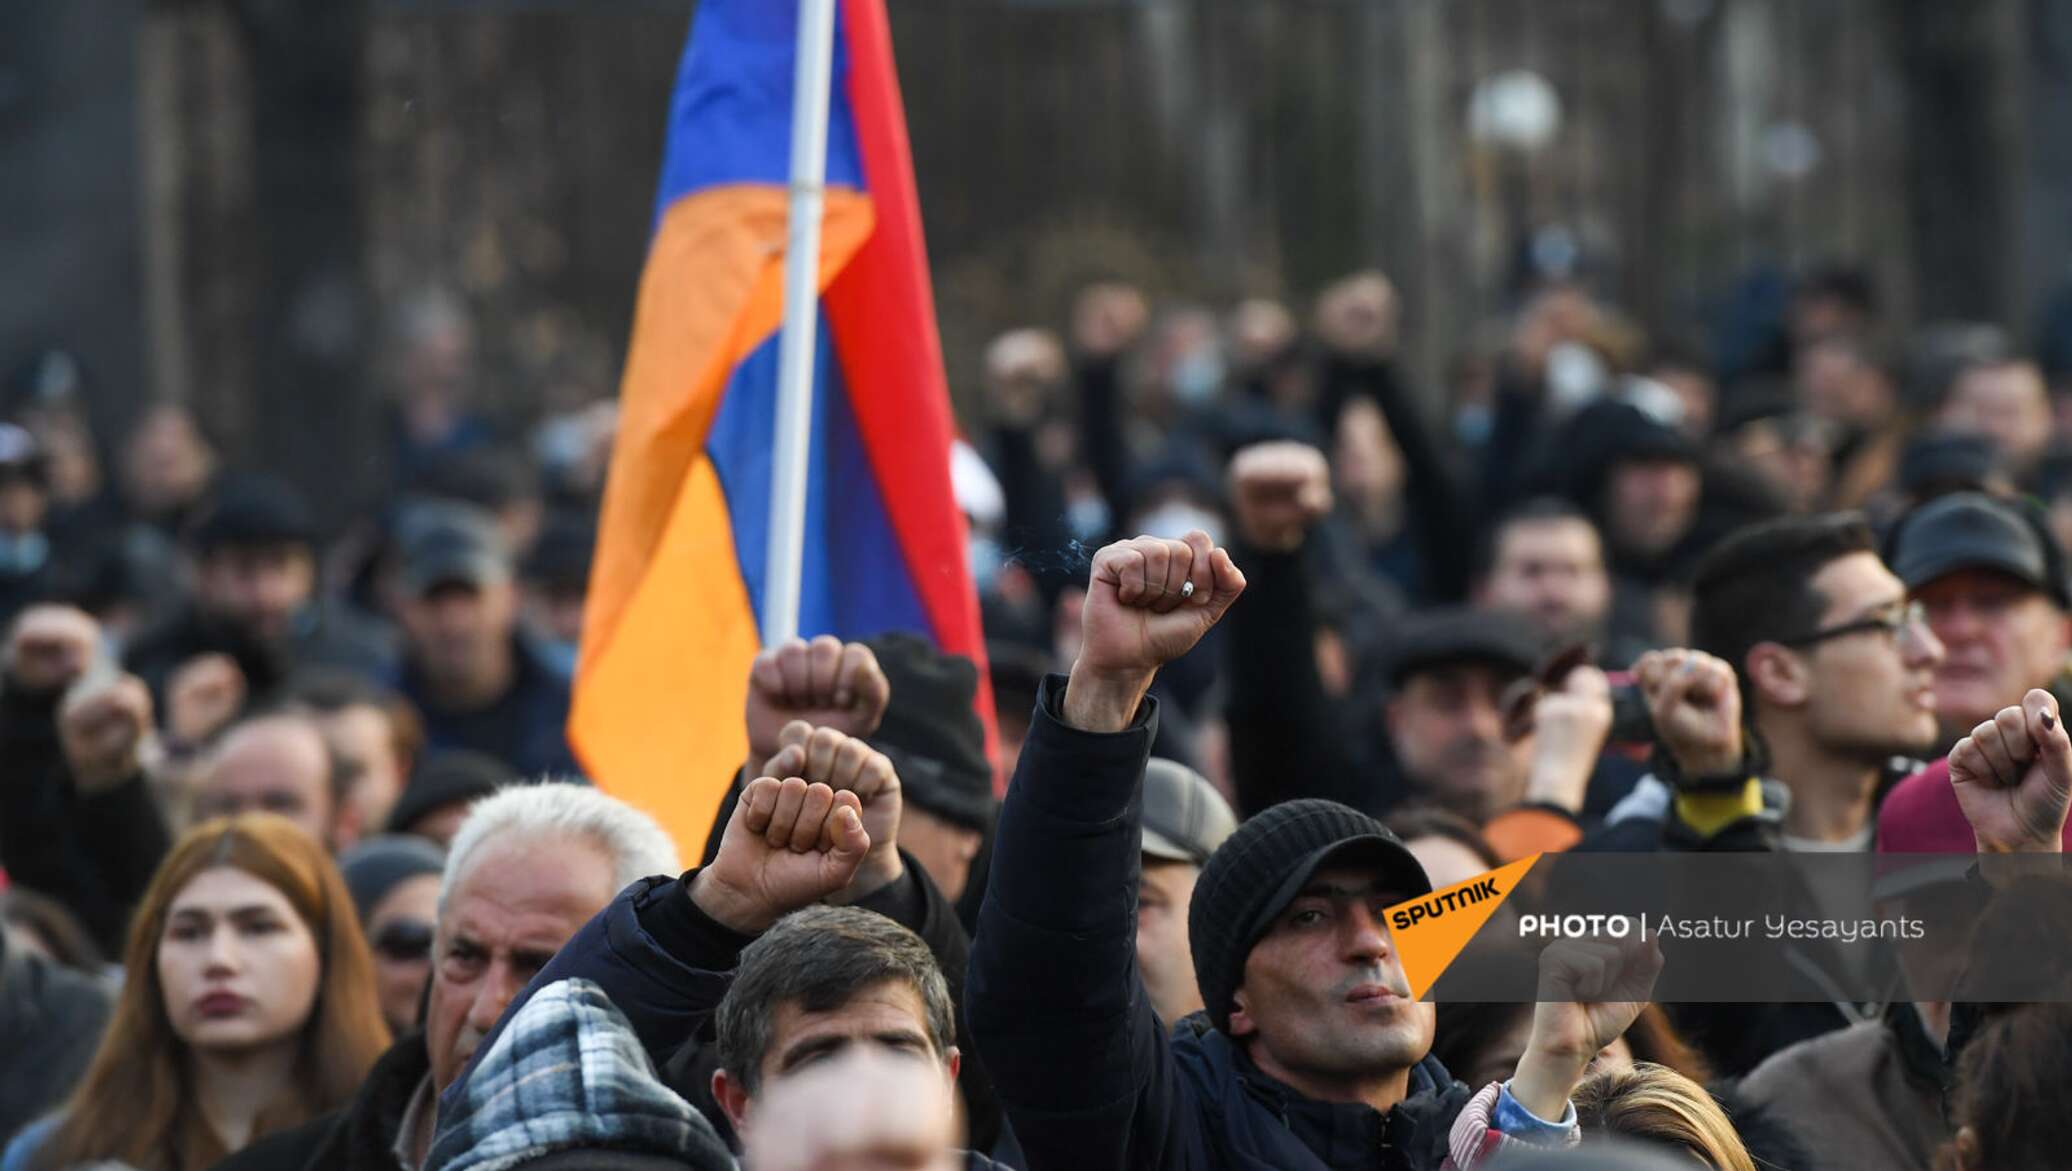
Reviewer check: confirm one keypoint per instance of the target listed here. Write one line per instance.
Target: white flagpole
(809, 110)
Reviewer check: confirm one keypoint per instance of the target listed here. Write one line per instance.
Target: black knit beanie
(931, 731)
(1260, 869)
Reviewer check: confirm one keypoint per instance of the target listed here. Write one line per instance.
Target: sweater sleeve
(1438, 511)
(1057, 1006)
(93, 853)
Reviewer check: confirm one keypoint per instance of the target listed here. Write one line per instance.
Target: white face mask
(1575, 375)
(1175, 519)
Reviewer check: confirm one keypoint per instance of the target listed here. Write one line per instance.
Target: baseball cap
(1185, 818)
(1971, 530)
(1454, 634)
(1258, 871)
(445, 542)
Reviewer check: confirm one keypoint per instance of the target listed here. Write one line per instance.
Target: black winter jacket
(1090, 1080)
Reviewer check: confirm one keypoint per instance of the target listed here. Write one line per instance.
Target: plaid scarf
(568, 1073)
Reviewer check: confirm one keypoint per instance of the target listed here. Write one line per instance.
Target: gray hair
(820, 958)
(634, 841)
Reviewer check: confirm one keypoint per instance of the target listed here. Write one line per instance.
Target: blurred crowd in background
(1462, 607)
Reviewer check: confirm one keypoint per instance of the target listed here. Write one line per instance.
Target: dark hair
(1463, 1033)
(330, 690)
(2009, 1093)
(1847, 283)
(1430, 821)
(136, 1103)
(55, 926)
(1757, 585)
(821, 958)
(1538, 510)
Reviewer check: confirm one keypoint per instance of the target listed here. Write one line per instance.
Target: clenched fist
(2013, 777)
(1107, 318)
(1695, 703)
(789, 845)
(103, 728)
(847, 764)
(203, 695)
(1359, 315)
(1590, 993)
(49, 648)
(1279, 490)
(1148, 601)
(827, 683)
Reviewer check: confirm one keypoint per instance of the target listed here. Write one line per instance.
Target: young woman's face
(238, 966)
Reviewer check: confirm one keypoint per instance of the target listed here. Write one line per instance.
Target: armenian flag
(671, 621)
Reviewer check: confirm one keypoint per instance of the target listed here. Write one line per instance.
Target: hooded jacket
(1090, 1080)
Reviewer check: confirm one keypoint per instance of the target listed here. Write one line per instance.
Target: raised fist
(1107, 319)
(49, 647)
(1695, 703)
(1279, 490)
(1022, 367)
(827, 683)
(789, 845)
(202, 696)
(1359, 315)
(102, 728)
(847, 764)
(1148, 601)
(2013, 777)
(1590, 993)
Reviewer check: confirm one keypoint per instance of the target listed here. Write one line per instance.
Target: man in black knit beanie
(1311, 1053)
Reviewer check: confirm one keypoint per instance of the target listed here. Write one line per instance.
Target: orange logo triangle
(1431, 930)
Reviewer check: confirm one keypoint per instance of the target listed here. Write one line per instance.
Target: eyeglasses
(1897, 622)
(403, 941)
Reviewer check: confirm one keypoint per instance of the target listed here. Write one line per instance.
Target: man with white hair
(529, 866)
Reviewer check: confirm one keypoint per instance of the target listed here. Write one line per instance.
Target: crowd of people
(301, 873)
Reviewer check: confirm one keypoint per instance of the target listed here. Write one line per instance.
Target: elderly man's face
(2000, 636)
(1446, 723)
(502, 921)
